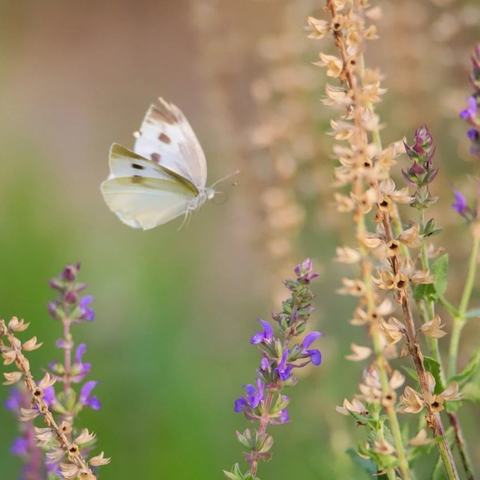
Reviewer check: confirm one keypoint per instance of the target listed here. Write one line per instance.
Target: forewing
(125, 163)
(142, 202)
(167, 138)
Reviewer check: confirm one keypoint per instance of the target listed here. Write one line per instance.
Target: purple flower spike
(460, 205)
(264, 336)
(87, 313)
(86, 398)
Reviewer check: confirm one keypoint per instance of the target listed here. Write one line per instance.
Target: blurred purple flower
(460, 204)
(86, 312)
(14, 400)
(19, 447)
(86, 398)
(284, 417)
(470, 113)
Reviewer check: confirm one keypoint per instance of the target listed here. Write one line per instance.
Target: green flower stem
(428, 313)
(460, 320)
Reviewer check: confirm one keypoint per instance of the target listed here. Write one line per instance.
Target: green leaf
(434, 368)
(474, 313)
(471, 392)
(433, 291)
(469, 371)
(235, 474)
(424, 291)
(364, 463)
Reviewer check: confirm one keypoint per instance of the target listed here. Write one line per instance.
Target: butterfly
(164, 176)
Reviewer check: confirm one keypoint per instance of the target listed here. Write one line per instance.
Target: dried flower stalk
(365, 168)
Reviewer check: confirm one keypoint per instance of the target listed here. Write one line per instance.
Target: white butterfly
(165, 174)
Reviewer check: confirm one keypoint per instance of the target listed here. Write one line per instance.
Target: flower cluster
(384, 245)
(421, 171)
(471, 114)
(63, 404)
(25, 445)
(282, 353)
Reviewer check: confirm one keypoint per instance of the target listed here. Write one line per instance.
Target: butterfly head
(210, 192)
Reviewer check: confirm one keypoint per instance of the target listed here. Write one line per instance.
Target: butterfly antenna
(226, 177)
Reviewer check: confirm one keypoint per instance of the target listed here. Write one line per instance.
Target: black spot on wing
(137, 166)
(156, 157)
(163, 137)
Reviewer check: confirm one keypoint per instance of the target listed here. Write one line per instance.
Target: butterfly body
(165, 175)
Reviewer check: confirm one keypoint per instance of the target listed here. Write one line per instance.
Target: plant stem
(459, 320)
(433, 419)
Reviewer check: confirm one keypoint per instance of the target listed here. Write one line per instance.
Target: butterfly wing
(143, 194)
(167, 138)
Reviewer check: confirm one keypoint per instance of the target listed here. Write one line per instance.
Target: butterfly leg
(186, 217)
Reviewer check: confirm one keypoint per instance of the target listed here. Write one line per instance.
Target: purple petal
(239, 405)
(460, 205)
(257, 338)
(86, 391)
(315, 356)
(86, 301)
(267, 329)
(310, 338)
(49, 395)
(94, 403)
(284, 417)
(80, 352)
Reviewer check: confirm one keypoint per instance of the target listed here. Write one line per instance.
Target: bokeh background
(175, 309)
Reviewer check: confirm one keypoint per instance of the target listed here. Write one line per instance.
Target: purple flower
(284, 370)
(460, 205)
(314, 355)
(86, 398)
(86, 312)
(252, 399)
(284, 417)
(304, 271)
(470, 113)
(19, 447)
(265, 364)
(69, 273)
(81, 368)
(265, 336)
(49, 396)
(473, 134)
(14, 400)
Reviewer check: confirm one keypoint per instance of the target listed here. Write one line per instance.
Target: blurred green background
(175, 309)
